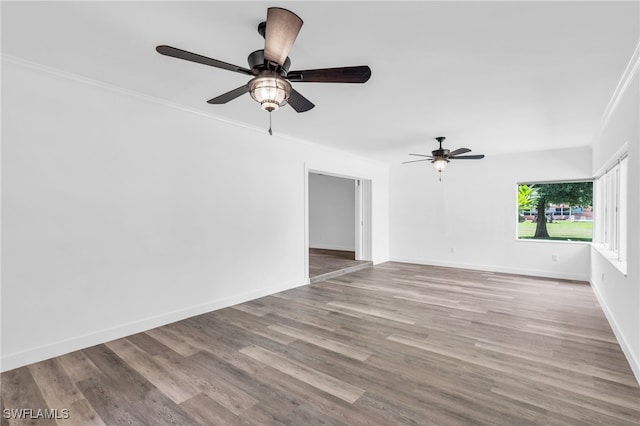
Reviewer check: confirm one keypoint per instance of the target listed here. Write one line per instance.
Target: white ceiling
(496, 77)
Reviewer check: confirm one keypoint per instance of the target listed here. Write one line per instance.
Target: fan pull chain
(270, 131)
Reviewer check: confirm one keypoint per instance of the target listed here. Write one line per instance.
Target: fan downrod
(440, 152)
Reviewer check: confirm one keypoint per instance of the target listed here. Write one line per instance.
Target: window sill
(540, 240)
(612, 257)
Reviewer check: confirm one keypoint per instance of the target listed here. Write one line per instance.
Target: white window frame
(610, 210)
(593, 231)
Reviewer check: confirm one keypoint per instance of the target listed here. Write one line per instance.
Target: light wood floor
(389, 345)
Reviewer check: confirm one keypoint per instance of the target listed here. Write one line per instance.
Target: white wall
(121, 213)
(469, 219)
(332, 211)
(619, 295)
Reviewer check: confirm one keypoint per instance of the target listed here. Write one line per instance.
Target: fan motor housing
(440, 153)
(257, 63)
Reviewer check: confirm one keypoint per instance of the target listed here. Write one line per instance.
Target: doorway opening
(338, 225)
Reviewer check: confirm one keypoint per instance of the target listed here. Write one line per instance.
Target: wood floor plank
(148, 344)
(177, 342)
(59, 390)
(173, 383)
(573, 404)
(322, 342)
(319, 319)
(210, 379)
(132, 385)
(501, 365)
(159, 410)
(305, 414)
(565, 363)
(107, 401)
(4, 419)
(21, 392)
(56, 386)
(280, 387)
(116, 404)
(249, 309)
(207, 411)
(393, 344)
(363, 309)
(81, 413)
(77, 366)
(322, 381)
(241, 319)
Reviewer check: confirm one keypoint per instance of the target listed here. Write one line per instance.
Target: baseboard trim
(626, 349)
(41, 353)
(494, 268)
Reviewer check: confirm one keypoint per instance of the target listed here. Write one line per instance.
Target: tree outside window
(556, 211)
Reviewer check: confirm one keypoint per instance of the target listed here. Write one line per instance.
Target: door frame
(363, 214)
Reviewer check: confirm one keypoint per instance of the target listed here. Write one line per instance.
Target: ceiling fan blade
(194, 57)
(415, 161)
(299, 102)
(356, 74)
(459, 151)
(230, 95)
(422, 155)
(467, 157)
(282, 29)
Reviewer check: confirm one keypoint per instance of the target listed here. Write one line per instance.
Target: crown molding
(625, 81)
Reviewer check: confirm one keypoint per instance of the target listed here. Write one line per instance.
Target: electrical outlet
(452, 250)
(554, 257)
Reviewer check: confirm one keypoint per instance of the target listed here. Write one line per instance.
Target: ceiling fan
(269, 67)
(440, 157)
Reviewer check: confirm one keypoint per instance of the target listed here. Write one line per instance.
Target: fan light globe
(270, 90)
(440, 163)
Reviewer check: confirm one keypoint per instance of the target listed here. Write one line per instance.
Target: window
(555, 211)
(611, 202)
